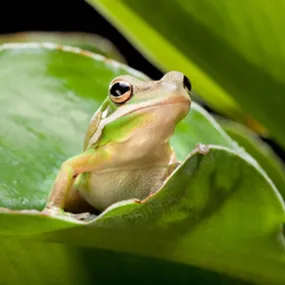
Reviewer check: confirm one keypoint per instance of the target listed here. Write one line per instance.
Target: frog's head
(145, 110)
(128, 95)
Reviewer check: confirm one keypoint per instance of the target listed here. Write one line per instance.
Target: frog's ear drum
(120, 92)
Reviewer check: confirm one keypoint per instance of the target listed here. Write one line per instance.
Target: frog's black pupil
(119, 88)
(187, 83)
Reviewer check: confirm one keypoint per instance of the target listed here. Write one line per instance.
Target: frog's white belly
(103, 189)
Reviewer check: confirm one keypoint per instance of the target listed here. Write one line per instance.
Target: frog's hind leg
(62, 195)
(75, 203)
(77, 207)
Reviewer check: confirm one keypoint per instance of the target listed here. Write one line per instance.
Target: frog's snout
(178, 79)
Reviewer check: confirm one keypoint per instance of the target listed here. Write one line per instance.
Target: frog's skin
(127, 154)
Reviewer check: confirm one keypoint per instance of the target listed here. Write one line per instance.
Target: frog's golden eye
(120, 92)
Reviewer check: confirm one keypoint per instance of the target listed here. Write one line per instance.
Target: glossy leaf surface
(218, 205)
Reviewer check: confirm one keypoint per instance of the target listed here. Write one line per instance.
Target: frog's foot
(54, 211)
(82, 216)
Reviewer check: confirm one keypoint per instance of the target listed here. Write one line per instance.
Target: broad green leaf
(25, 262)
(232, 50)
(217, 212)
(47, 98)
(18, 224)
(201, 218)
(219, 217)
(258, 149)
(33, 263)
(54, 108)
(48, 95)
(85, 41)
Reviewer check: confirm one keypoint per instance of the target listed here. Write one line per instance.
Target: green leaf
(48, 95)
(26, 262)
(219, 217)
(50, 263)
(85, 41)
(231, 50)
(205, 216)
(258, 149)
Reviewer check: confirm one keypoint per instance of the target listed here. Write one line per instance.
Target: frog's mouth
(173, 101)
(183, 102)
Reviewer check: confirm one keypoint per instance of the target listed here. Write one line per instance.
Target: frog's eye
(120, 92)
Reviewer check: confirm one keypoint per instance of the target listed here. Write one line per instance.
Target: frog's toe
(59, 212)
(82, 216)
(52, 211)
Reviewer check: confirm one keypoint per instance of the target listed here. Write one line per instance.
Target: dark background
(64, 16)
(77, 16)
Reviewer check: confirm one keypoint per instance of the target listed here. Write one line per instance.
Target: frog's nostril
(187, 83)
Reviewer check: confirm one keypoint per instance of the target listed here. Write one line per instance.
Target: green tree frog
(127, 154)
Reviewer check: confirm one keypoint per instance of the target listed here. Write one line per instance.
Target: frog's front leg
(64, 181)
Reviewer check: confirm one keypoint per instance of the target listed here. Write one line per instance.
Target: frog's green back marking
(122, 127)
